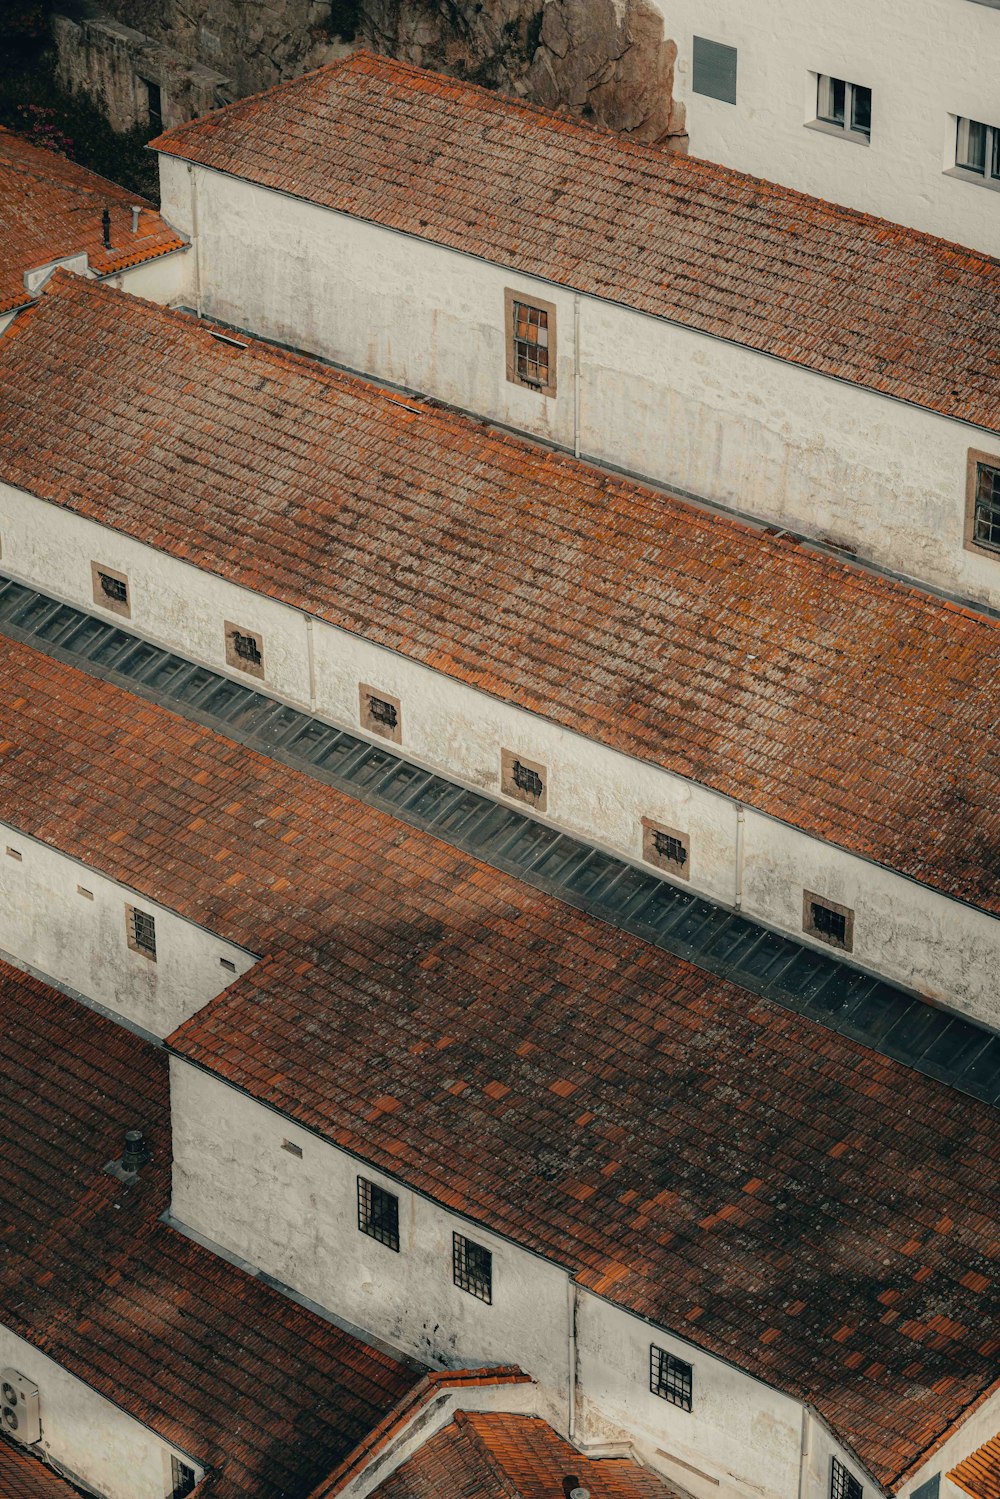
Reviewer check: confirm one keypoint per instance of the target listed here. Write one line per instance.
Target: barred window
(828, 923)
(669, 847)
(828, 920)
(670, 1377)
(986, 522)
(383, 712)
(246, 648)
(526, 779)
(531, 344)
(472, 1266)
(378, 1213)
(843, 1485)
(181, 1479)
(143, 932)
(113, 588)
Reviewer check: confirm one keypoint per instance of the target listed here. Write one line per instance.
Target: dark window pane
(113, 588)
(670, 1377)
(843, 1485)
(832, 97)
(987, 519)
(714, 70)
(527, 780)
(472, 1266)
(971, 146)
(378, 1213)
(830, 923)
(861, 110)
(144, 932)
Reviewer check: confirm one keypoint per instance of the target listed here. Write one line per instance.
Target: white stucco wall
(925, 61)
(904, 931)
(167, 279)
(296, 1218)
(713, 419)
(79, 941)
(89, 1436)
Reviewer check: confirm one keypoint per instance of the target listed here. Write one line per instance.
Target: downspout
(571, 1356)
(576, 375)
(740, 825)
(195, 239)
(311, 656)
(804, 1446)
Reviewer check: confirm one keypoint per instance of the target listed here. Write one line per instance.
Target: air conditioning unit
(19, 1407)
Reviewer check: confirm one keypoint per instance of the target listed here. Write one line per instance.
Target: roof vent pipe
(573, 1489)
(136, 211)
(135, 1153)
(106, 227)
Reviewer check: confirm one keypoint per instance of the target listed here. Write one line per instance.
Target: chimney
(135, 1153)
(106, 227)
(136, 211)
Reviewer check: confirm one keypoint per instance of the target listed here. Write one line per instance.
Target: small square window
(531, 343)
(472, 1267)
(670, 1377)
(244, 649)
(380, 713)
(844, 106)
(714, 70)
(141, 929)
(667, 848)
(524, 780)
(378, 1213)
(826, 919)
(111, 590)
(983, 503)
(843, 1485)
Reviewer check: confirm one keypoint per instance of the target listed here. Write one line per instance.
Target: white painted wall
(46, 923)
(168, 279)
(296, 1218)
(89, 1436)
(926, 61)
(750, 433)
(904, 931)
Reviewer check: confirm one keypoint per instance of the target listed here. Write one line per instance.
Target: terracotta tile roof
(850, 706)
(979, 1474)
(51, 208)
(835, 290)
(184, 1342)
(783, 1197)
(23, 1476)
(482, 1455)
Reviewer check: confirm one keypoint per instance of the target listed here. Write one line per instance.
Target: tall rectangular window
(141, 930)
(154, 106)
(670, 1377)
(472, 1267)
(378, 1213)
(531, 343)
(843, 105)
(977, 149)
(182, 1479)
(843, 1485)
(982, 528)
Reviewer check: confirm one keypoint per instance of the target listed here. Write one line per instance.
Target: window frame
(652, 832)
(843, 1484)
(239, 662)
(989, 176)
(809, 926)
(144, 949)
(511, 300)
(509, 763)
(460, 1274)
(121, 607)
(389, 1237)
(828, 123)
(682, 1395)
(976, 460)
(373, 725)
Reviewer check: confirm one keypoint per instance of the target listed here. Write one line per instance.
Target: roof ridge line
(467, 1428)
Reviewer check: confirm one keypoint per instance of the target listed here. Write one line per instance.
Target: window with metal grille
(378, 1213)
(531, 344)
(182, 1479)
(669, 847)
(383, 712)
(113, 588)
(986, 521)
(713, 70)
(827, 922)
(246, 648)
(472, 1266)
(144, 932)
(526, 779)
(977, 149)
(847, 106)
(843, 1485)
(670, 1377)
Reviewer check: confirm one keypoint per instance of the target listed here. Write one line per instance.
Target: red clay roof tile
(822, 286)
(381, 939)
(184, 1342)
(979, 1474)
(854, 708)
(24, 1476)
(51, 207)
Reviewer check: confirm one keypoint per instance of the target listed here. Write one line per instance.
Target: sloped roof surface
(850, 706)
(181, 1340)
(23, 1476)
(483, 1455)
(781, 1196)
(827, 287)
(51, 208)
(979, 1474)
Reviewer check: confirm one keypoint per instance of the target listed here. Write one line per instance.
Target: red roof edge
(438, 1382)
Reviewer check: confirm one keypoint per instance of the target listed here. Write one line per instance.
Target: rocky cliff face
(604, 60)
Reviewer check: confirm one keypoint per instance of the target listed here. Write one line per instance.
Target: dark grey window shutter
(714, 70)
